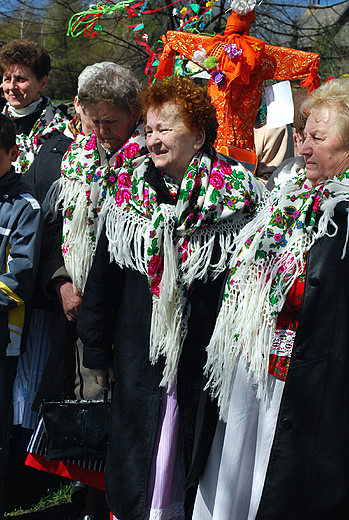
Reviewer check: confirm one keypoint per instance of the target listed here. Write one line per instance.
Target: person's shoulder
(230, 160)
(55, 117)
(222, 157)
(57, 143)
(235, 164)
(25, 194)
(287, 170)
(18, 194)
(82, 144)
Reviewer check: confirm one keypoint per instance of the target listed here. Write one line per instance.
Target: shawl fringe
(247, 320)
(129, 237)
(80, 250)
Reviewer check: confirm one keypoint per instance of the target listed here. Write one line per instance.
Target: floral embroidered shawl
(51, 121)
(173, 244)
(269, 257)
(81, 192)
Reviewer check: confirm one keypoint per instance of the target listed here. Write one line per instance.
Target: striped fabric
(165, 493)
(30, 368)
(37, 446)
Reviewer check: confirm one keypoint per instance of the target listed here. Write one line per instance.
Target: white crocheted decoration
(242, 6)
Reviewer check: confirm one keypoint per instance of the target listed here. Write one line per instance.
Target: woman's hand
(70, 299)
(102, 377)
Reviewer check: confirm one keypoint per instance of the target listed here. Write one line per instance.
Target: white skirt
(232, 483)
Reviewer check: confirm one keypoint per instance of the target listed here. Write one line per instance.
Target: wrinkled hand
(102, 377)
(70, 299)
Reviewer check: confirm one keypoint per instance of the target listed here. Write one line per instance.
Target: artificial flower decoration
(219, 78)
(175, 12)
(183, 11)
(210, 3)
(236, 83)
(210, 63)
(145, 37)
(242, 7)
(232, 50)
(193, 68)
(200, 55)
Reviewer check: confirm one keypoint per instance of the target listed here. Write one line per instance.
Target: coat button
(299, 354)
(313, 281)
(287, 424)
(6, 196)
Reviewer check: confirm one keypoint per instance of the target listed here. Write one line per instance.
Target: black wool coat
(44, 171)
(308, 471)
(116, 309)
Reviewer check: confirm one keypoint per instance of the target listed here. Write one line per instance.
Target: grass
(62, 496)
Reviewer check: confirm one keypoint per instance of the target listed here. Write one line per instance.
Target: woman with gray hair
(278, 359)
(108, 97)
(107, 101)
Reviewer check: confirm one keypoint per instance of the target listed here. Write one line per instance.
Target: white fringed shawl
(173, 244)
(80, 194)
(268, 258)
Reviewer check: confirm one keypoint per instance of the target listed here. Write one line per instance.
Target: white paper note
(279, 104)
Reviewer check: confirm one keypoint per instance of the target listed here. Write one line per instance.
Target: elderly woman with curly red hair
(150, 300)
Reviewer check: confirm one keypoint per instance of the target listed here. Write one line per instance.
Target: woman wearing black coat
(278, 358)
(151, 297)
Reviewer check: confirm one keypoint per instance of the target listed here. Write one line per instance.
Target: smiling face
(112, 125)
(21, 87)
(324, 152)
(169, 142)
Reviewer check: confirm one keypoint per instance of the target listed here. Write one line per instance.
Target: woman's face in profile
(171, 145)
(323, 150)
(21, 87)
(86, 124)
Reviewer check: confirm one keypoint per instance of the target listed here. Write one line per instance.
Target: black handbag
(76, 429)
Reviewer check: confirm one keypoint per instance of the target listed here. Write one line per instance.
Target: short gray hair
(332, 96)
(108, 82)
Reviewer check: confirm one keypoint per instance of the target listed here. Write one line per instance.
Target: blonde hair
(332, 97)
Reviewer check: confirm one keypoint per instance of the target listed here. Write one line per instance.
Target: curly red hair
(193, 101)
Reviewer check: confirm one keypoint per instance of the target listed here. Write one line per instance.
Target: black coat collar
(155, 178)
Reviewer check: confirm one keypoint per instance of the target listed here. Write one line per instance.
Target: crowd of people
(136, 257)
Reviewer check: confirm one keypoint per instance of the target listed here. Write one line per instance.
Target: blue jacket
(20, 239)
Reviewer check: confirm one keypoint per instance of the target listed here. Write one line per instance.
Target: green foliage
(332, 45)
(56, 498)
